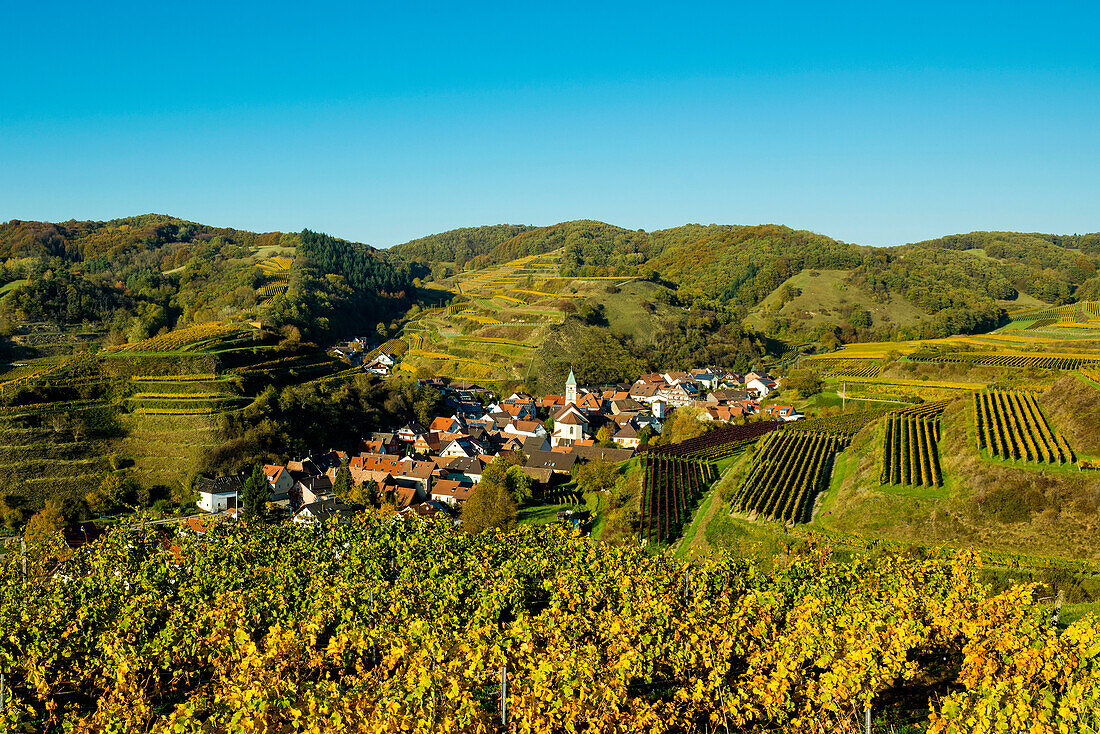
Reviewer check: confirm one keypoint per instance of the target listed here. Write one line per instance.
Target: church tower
(571, 389)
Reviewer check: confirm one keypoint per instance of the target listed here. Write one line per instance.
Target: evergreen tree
(341, 486)
(255, 495)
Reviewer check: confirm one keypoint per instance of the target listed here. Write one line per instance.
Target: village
(425, 470)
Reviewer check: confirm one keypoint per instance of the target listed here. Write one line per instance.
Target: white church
(570, 423)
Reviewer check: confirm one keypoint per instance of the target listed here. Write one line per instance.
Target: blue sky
(877, 123)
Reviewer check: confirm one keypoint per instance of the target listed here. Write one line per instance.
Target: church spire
(571, 388)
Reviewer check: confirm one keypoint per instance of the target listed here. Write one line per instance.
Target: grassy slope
(1063, 520)
(1073, 405)
(823, 295)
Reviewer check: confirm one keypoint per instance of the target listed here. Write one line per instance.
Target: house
(762, 386)
(518, 409)
(627, 405)
(451, 491)
(785, 413)
(542, 476)
(378, 369)
(389, 443)
(462, 447)
(525, 429)
(280, 482)
(513, 444)
(594, 453)
(627, 437)
(417, 474)
(409, 432)
(724, 397)
(219, 493)
(552, 402)
(326, 510)
(426, 509)
(676, 395)
(538, 443)
(721, 413)
(559, 463)
(704, 377)
(464, 470)
(428, 443)
(754, 375)
(644, 392)
(384, 360)
(590, 403)
(313, 489)
(405, 494)
(673, 378)
(521, 396)
(454, 424)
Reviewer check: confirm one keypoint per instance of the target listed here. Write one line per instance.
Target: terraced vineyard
(909, 451)
(1052, 362)
(789, 468)
(1073, 312)
(670, 486)
(193, 338)
(1009, 424)
(846, 367)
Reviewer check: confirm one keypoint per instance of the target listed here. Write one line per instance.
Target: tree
(519, 484)
(42, 531)
(490, 506)
(805, 382)
(600, 475)
(115, 490)
(341, 486)
(255, 495)
(603, 436)
(363, 493)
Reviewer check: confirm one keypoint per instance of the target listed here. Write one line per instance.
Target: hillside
(922, 290)
(130, 278)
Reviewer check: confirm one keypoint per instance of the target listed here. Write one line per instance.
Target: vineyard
(195, 337)
(846, 367)
(671, 484)
(1052, 362)
(1073, 312)
(716, 444)
(844, 425)
(674, 475)
(909, 452)
(789, 468)
(276, 629)
(1009, 424)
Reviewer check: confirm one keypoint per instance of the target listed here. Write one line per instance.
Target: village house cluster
(434, 468)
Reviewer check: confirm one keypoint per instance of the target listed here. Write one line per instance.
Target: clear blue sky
(877, 123)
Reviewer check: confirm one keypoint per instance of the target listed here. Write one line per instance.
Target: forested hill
(960, 282)
(135, 276)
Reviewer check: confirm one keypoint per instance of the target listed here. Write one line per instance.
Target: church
(570, 423)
